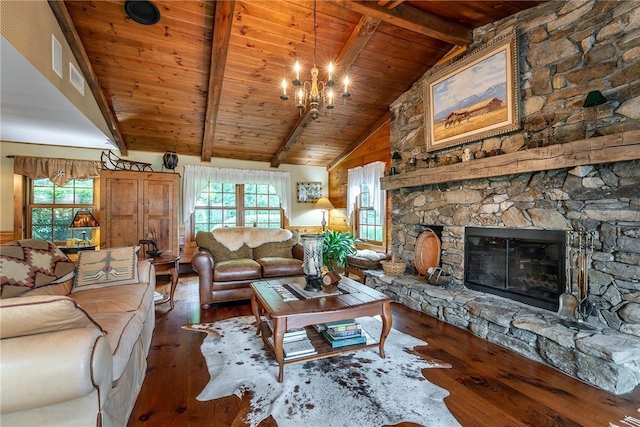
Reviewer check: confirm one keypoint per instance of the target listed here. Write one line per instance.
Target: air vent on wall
(76, 78)
(56, 55)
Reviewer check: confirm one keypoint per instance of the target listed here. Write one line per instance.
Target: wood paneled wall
(373, 149)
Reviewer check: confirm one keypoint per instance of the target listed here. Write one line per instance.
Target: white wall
(302, 214)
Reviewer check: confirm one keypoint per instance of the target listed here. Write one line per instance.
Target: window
(51, 208)
(368, 221)
(231, 205)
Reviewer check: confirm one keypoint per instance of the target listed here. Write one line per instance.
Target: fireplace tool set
(579, 250)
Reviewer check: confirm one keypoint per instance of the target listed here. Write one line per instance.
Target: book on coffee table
(295, 349)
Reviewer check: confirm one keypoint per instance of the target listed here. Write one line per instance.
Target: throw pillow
(220, 252)
(275, 249)
(108, 267)
(29, 264)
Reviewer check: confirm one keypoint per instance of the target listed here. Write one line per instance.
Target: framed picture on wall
(309, 192)
(473, 98)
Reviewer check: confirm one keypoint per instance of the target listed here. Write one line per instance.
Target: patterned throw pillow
(31, 263)
(275, 249)
(107, 267)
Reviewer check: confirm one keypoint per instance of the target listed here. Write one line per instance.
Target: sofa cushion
(275, 249)
(108, 267)
(277, 266)
(111, 299)
(205, 239)
(237, 269)
(123, 331)
(32, 263)
(31, 315)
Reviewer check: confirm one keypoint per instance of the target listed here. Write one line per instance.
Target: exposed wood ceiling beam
(373, 129)
(412, 19)
(71, 35)
(222, 23)
(389, 4)
(357, 40)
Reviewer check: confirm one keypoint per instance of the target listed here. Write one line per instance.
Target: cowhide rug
(357, 389)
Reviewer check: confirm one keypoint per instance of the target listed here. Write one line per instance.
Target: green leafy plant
(336, 246)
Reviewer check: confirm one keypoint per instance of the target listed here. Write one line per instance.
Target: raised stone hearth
(602, 357)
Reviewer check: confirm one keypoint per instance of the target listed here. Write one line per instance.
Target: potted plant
(335, 248)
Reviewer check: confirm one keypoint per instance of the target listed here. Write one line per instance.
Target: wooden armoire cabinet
(132, 204)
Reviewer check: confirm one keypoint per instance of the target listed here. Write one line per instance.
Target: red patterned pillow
(29, 264)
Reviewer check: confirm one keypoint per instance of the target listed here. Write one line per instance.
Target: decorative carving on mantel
(605, 149)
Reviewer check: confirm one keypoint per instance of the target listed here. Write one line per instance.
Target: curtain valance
(196, 179)
(59, 171)
(370, 175)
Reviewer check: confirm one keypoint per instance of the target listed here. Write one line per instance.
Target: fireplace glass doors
(523, 265)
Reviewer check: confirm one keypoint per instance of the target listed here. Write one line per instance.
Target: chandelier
(314, 92)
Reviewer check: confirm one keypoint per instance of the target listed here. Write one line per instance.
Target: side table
(76, 248)
(167, 264)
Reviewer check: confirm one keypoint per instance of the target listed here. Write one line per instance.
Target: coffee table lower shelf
(321, 345)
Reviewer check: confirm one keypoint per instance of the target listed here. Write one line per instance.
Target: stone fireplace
(522, 265)
(546, 177)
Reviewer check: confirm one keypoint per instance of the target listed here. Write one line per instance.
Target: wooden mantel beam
(77, 48)
(413, 19)
(222, 23)
(357, 40)
(605, 149)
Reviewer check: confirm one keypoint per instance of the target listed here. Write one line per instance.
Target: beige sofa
(73, 356)
(227, 260)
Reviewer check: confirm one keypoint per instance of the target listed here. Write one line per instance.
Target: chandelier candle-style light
(313, 91)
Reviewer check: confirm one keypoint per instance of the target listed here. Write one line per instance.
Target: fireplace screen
(523, 265)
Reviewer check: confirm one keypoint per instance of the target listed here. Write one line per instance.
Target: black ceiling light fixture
(142, 11)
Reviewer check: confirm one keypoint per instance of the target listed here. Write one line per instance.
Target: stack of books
(343, 333)
(295, 344)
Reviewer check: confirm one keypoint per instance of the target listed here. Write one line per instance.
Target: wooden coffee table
(275, 316)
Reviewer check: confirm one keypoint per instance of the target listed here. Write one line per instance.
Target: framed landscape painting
(473, 98)
(309, 192)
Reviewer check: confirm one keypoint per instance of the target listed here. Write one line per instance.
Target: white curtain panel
(196, 179)
(370, 175)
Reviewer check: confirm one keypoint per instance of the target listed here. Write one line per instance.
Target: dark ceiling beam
(357, 40)
(222, 23)
(413, 19)
(373, 129)
(77, 48)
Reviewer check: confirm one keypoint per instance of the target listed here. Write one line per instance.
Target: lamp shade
(84, 219)
(324, 204)
(594, 98)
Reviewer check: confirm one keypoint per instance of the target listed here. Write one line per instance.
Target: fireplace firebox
(521, 264)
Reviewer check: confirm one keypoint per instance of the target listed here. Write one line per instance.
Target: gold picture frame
(473, 98)
(309, 192)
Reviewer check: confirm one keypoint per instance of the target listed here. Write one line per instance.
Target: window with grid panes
(261, 206)
(51, 208)
(368, 221)
(230, 205)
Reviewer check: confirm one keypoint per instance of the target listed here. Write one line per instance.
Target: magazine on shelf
(298, 348)
(345, 333)
(343, 342)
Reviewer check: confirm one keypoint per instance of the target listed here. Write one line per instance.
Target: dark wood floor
(488, 385)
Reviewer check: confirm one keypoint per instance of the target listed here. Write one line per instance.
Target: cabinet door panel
(120, 226)
(159, 212)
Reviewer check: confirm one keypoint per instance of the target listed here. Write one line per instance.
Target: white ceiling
(32, 110)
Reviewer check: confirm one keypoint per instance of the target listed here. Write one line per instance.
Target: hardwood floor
(488, 385)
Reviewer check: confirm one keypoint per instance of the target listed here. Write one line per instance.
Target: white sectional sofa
(72, 356)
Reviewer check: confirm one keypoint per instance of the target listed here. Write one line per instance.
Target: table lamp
(324, 205)
(84, 219)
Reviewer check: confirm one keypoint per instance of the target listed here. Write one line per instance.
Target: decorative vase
(312, 262)
(170, 160)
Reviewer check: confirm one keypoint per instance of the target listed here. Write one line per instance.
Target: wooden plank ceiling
(205, 80)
